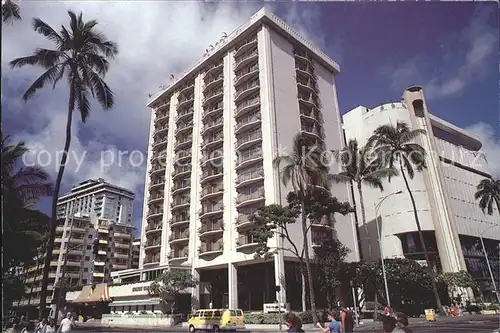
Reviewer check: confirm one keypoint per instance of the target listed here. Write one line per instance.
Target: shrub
(274, 318)
(473, 309)
(493, 306)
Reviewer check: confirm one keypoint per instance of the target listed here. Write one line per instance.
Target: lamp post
(488, 262)
(377, 218)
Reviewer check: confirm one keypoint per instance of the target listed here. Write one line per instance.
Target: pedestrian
(30, 328)
(334, 326)
(41, 324)
(293, 322)
(50, 327)
(402, 322)
(346, 319)
(67, 324)
(387, 310)
(16, 328)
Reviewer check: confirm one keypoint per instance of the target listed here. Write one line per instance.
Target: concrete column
(195, 292)
(279, 276)
(233, 285)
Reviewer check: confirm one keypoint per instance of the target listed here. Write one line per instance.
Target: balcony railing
(152, 260)
(307, 69)
(180, 202)
(180, 170)
(247, 103)
(157, 182)
(154, 242)
(211, 79)
(245, 44)
(247, 71)
(311, 129)
(177, 254)
(250, 175)
(213, 123)
(212, 189)
(255, 135)
(186, 99)
(244, 88)
(213, 138)
(184, 113)
(212, 172)
(211, 209)
(245, 240)
(180, 218)
(209, 226)
(179, 235)
(180, 186)
(211, 247)
(160, 128)
(183, 126)
(213, 93)
(246, 197)
(245, 57)
(249, 155)
(247, 120)
(161, 115)
(155, 212)
(213, 66)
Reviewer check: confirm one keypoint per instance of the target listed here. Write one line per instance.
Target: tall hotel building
(108, 201)
(444, 193)
(214, 134)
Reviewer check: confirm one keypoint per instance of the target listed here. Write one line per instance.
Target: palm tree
(395, 145)
(360, 169)
(81, 55)
(304, 170)
(10, 11)
(488, 193)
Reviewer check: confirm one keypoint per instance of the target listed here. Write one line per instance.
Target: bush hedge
(274, 318)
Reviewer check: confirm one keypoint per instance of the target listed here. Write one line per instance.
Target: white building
(444, 192)
(214, 134)
(108, 201)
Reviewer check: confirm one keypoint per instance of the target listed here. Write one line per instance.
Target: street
(476, 324)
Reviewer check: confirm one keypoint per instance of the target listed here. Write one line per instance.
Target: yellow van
(216, 320)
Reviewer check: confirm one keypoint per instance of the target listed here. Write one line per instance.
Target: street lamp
(377, 218)
(488, 261)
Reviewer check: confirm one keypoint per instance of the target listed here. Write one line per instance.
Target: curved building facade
(444, 193)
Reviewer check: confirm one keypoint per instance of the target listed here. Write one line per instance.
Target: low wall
(138, 320)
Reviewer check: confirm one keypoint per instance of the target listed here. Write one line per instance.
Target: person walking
(30, 328)
(67, 324)
(402, 322)
(334, 326)
(346, 319)
(293, 322)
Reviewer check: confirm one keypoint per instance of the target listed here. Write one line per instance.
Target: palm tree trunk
(363, 218)
(375, 302)
(303, 276)
(53, 219)
(308, 265)
(422, 242)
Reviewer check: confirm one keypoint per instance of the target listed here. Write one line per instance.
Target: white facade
(213, 137)
(108, 201)
(444, 192)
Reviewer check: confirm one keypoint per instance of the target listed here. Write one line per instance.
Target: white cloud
(165, 38)
(480, 42)
(491, 145)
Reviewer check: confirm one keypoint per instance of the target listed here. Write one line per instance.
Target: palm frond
(50, 76)
(46, 30)
(10, 12)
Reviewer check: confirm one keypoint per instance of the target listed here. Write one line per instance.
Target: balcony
(160, 129)
(245, 46)
(250, 177)
(312, 131)
(152, 228)
(213, 81)
(247, 122)
(185, 101)
(214, 68)
(181, 186)
(248, 157)
(178, 220)
(163, 104)
(210, 249)
(308, 100)
(119, 267)
(181, 202)
(243, 221)
(161, 116)
(186, 88)
(309, 86)
(211, 174)
(122, 235)
(123, 245)
(160, 141)
(211, 191)
(154, 213)
(156, 169)
(306, 72)
(213, 140)
(158, 155)
(211, 227)
(152, 243)
(247, 106)
(214, 156)
(213, 111)
(179, 237)
(183, 170)
(247, 199)
(155, 198)
(246, 59)
(183, 127)
(151, 260)
(157, 183)
(178, 254)
(303, 57)
(212, 125)
(126, 255)
(184, 114)
(245, 141)
(182, 156)
(246, 90)
(311, 114)
(245, 241)
(211, 210)
(213, 95)
(246, 75)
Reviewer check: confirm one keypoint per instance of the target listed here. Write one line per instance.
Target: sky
(448, 48)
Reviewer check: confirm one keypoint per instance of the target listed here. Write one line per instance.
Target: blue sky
(449, 48)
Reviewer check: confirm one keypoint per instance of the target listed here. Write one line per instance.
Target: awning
(136, 302)
(93, 294)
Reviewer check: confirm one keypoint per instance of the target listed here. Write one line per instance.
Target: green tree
(488, 194)
(395, 145)
(303, 168)
(81, 55)
(170, 283)
(361, 167)
(457, 280)
(329, 258)
(10, 11)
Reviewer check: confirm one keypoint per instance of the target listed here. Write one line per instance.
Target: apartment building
(214, 134)
(136, 250)
(108, 201)
(86, 250)
(444, 193)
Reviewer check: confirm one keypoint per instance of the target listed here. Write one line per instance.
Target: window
(217, 313)
(90, 236)
(87, 258)
(233, 313)
(85, 269)
(84, 281)
(89, 247)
